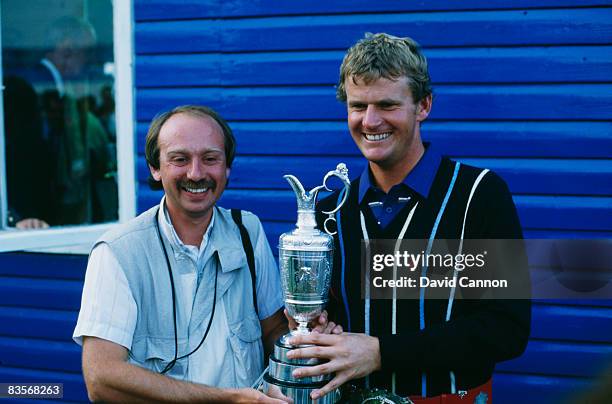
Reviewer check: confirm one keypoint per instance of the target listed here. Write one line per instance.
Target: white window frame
(79, 239)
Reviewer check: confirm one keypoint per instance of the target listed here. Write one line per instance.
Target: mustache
(208, 183)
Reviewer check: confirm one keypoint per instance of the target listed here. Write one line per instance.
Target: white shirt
(109, 311)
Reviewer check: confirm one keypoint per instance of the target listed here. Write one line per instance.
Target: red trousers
(465, 397)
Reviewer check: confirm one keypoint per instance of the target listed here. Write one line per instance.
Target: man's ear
(424, 108)
(155, 173)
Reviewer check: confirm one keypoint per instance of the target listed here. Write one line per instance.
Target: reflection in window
(57, 64)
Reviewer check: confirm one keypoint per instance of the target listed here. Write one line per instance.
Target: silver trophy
(305, 257)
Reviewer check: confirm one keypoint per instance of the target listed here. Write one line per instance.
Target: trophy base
(282, 348)
(279, 376)
(299, 392)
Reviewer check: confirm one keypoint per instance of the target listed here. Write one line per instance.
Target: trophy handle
(341, 172)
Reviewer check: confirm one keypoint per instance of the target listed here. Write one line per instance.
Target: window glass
(59, 112)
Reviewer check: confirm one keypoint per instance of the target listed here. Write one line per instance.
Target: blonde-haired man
(418, 348)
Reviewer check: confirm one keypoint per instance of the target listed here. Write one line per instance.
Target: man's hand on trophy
(254, 396)
(350, 356)
(275, 392)
(320, 325)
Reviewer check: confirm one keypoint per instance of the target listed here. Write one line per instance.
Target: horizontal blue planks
(482, 28)
(461, 139)
(524, 139)
(37, 322)
(561, 358)
(524, 176)
(190, 9)
(175, 9)
(548, 176)
(40, 354)
(512, 387)
(74, 386)
(495, 102)
(571, 64)
(37, 265)
(567, 323)
(538, 212)
(565, 234)
(601, 303)
(184, 36)
(565, 212)
(48, 293)
(563, 64)
(534, 102)
(245, 104)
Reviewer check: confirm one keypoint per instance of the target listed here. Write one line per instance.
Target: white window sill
(56, 240)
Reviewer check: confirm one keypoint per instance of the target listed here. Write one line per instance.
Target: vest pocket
(157, 353)
(245, 341)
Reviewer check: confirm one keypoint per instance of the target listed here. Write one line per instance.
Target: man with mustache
(433, 351)
(170, 292)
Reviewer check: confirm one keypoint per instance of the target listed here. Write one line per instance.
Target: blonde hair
(386, 56)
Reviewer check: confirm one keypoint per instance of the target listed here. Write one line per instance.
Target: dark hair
(152, 145)
(386, 56)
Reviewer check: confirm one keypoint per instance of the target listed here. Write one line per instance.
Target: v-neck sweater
(479, 333)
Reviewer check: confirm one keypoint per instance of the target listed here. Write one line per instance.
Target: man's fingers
(314, 338)
(254, 396)
(323, 317)
(270, 400)
(292, 322)
(310, 352)
(330, 327)
(334, 383)
(320, 323)
(275, 392)
(322, 369)
(318, 329)
(32, 223)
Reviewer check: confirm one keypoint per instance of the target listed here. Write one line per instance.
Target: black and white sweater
(443, 356)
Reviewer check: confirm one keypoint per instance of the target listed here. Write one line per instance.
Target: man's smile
(195, 190)
(199, 187)
(375, 137)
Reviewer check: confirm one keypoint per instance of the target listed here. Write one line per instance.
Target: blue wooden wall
(40, 296)
(523, 87)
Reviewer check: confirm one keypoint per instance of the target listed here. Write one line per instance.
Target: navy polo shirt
(416, 185)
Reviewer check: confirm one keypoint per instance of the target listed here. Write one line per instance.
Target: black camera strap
(248, 249)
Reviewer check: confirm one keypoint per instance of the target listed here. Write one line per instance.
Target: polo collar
(419, 179)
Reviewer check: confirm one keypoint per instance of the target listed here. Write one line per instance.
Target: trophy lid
(306, 237)
(306, 201)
